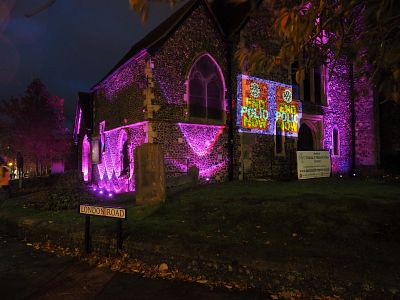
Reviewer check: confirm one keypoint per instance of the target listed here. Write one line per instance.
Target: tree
(312, 32)
(35, 125)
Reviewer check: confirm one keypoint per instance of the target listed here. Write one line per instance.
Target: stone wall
(364, 124)
(186, 142)
(186, 145)
(389, 122)
(254, 154)
(119, 99)
(107, 174)
(337, 114)
(197, 35)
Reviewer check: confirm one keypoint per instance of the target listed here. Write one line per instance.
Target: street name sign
(103, 211)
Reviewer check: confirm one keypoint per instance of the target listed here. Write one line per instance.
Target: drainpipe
(353, 121)
(230, 109)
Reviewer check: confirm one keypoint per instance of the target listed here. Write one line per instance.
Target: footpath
(26, 273)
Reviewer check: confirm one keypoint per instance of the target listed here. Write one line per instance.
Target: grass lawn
(345, 225)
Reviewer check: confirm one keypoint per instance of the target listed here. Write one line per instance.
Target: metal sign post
(120, 213)
(87, 234)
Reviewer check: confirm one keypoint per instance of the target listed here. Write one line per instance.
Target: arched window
(279, 140)
(206, 90)
(335, 141)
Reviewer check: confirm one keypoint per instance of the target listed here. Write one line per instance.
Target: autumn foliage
(315, 32)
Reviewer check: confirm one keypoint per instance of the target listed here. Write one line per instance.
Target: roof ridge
(159, 33)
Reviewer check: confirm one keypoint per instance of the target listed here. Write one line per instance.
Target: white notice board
(313, 164)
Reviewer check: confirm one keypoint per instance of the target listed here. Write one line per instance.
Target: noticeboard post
(119, 213)
(313, 164)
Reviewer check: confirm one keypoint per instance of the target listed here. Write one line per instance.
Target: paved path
(29, 274)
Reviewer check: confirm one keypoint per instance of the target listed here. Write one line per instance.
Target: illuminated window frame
(207, 120)
(335, 145)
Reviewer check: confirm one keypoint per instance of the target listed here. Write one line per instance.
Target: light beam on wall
(111, 164)
(201, 138)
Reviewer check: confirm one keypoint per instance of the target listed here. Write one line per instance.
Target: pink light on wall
(108, 173)
(85, 158)
(101, 168)
(201, 138)
(210, 171)
(337, 115)
(121, 77)
(205, 169)
(203, 146)
(177, 166)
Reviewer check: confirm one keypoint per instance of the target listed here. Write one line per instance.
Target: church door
(305, 141)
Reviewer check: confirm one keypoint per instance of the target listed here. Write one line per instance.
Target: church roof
(228, 17)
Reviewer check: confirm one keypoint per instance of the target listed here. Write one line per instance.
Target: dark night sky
(70, 46)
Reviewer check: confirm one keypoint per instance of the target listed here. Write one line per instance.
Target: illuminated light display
(201, 138)
(254, 104)
(85, 158)
(210, 171)
(205, 169)
(108, 173)
(122, 77)
(262, 102)
(203, 147)
(287, 110)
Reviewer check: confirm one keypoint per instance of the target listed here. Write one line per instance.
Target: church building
(182, 88)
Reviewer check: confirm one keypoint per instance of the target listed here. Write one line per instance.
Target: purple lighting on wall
(201, 138)
(203, 148)
(121, 77)
(108, 172)
(205, 171)
(164, 90)
(339, 119)
(208, 172)
(85, 158)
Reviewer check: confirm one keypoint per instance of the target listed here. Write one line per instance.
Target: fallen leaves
(290, 295)
(123, 263)
(50, 247)
(163, 267)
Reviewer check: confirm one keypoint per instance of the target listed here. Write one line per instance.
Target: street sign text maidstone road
(102, 211)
